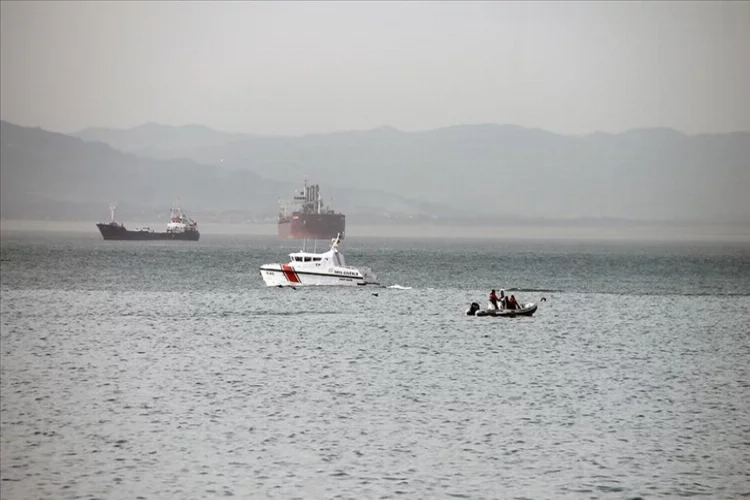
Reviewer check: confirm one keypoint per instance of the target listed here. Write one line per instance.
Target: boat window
(307, 259)
(316, 259)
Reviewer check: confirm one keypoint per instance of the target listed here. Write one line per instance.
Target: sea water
(151, 370)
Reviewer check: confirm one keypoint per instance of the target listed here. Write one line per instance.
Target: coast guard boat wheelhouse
(306, 268)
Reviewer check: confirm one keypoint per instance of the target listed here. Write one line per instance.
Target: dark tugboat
(179, 227)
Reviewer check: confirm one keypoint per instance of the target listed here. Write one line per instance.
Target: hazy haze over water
(639, 232)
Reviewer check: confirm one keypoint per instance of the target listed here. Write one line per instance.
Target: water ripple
(165, 385)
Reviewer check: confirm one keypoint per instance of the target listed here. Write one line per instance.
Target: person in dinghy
(503, 300)
(493, 300)
(512, 304)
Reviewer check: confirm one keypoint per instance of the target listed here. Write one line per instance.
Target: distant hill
(46, 174)
(499, 170)
(159, 141)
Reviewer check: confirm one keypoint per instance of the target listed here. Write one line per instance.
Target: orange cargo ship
(313, 221)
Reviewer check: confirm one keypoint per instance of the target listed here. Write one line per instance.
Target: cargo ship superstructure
(313, 220)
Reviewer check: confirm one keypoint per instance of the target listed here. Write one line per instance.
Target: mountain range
(47, 174)
(489, 170)
(473, 173)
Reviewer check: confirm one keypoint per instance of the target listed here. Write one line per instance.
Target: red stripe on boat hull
(290, 274)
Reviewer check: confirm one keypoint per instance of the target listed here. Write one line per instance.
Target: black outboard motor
(472, 310)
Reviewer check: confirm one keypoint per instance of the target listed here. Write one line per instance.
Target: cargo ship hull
(118, 232)
(179, 227)
(302, 226)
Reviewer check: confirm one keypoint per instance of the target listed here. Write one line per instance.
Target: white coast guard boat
(328, 268)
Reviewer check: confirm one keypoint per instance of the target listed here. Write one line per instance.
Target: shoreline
(644, 232)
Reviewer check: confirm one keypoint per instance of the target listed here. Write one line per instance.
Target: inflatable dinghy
(523, 310)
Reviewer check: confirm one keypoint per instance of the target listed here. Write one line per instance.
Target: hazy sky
(299, 67)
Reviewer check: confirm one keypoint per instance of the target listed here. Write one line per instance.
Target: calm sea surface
(150, 370)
